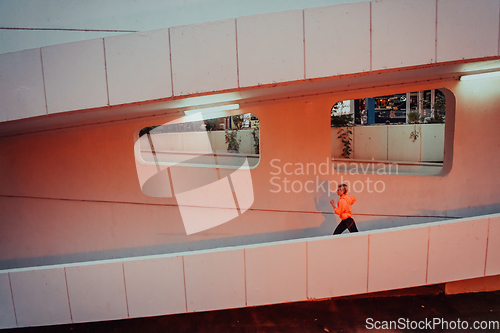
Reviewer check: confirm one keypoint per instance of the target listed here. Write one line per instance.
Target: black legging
(348, 223)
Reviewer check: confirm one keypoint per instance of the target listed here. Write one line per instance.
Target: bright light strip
(212, 109)
(479, 76)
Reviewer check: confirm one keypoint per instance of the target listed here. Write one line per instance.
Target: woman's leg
(340, 228)
(351, 224)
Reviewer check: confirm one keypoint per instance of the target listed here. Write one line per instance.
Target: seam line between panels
(43, 82)
(125, 289)
(67, 292)
(12, 298)
(170, 61)
(185, 287)
(487, 243)
(105, 69)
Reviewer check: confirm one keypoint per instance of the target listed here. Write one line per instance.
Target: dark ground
(348, 314)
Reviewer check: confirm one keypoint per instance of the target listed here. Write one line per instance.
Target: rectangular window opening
(224, 142)
(401, 132)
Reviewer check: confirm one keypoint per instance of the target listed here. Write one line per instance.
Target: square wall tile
(7, 315)
(398, 259)
(138, 66)
(21, 85)
(403, 33)
(337, 39)
(270, 48)
(97, 292)
(432, 136)
(204, 57)
(364, 139)
(276, 273)
(75, 76)
(215, 280)
(40, 297)
(155, 286)
(457, 251)
(399, 145)
(493, 254)
(331, 272)
(467, 29)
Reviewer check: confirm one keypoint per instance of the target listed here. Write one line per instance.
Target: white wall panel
(155, 286)
(403, 33)
(398, 259)
(270, 48)
(204, 57)
(400, 146)
(40, 297)
(457, 251)
(74, 75)
(215, 280)
(432, 145)
(337, 266)
(138, 67)
(378, 143)
(254, 275)
(369, 142)
(337, 39)
(7, 315)
(467, 29)
(18, 40)
(129, 15)
(196, 142)
(493, 254)
(97, 292)
(21, 85)
(276, 273)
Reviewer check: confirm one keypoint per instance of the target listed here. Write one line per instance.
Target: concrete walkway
(350, 314)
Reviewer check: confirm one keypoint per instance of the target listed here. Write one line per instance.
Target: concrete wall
(72, 194)
(36, 24)
(393, 143)
(265, 49)
(227, 278)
